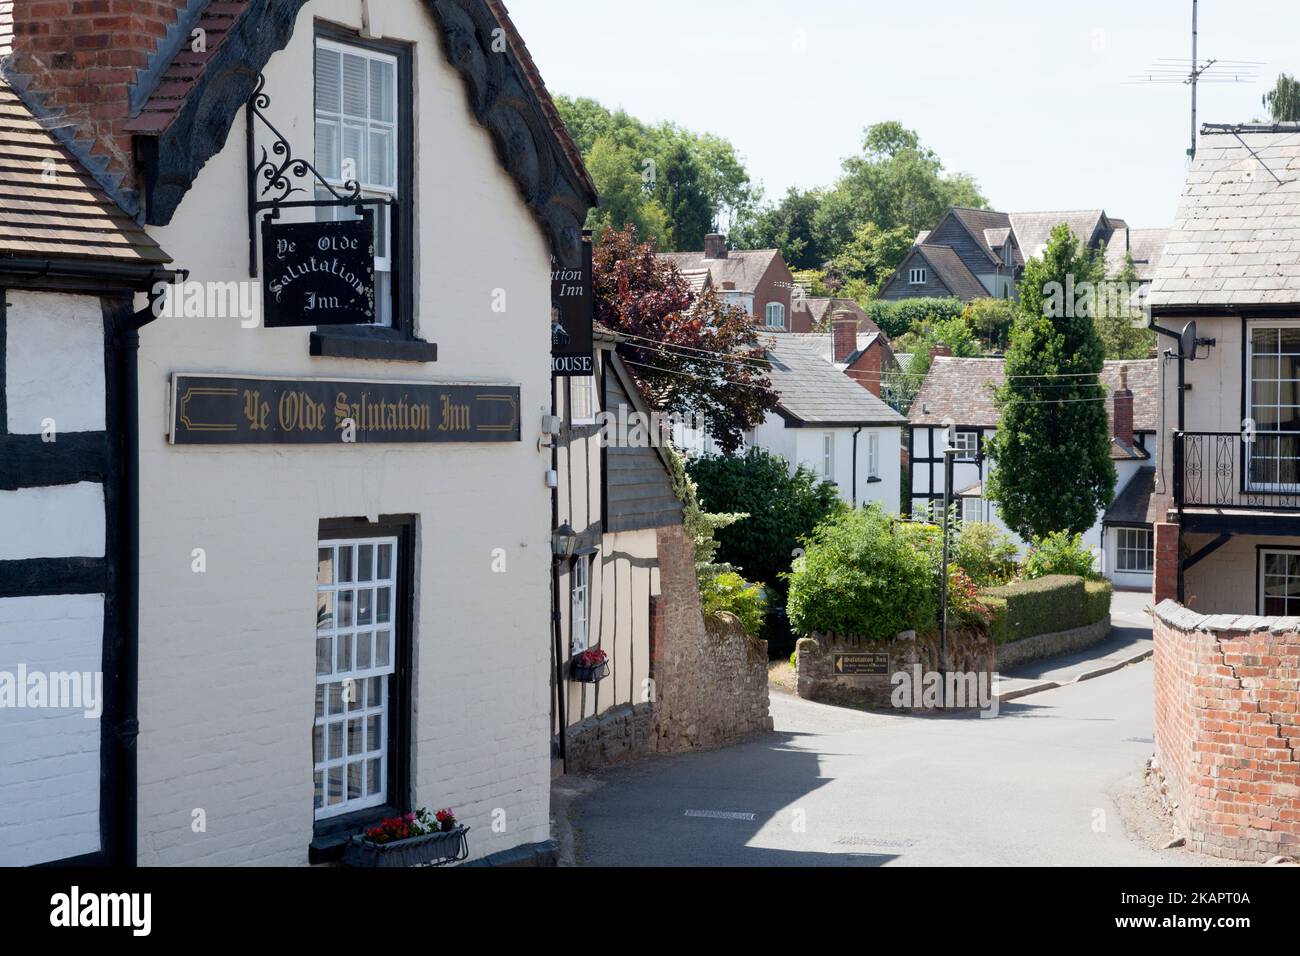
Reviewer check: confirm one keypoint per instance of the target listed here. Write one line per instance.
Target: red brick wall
(775, 286)
(1227, 714)
(83, 56)
(1164, 582)
(868, 368)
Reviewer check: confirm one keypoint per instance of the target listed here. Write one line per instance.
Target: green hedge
(1045, 605)
(897, 316)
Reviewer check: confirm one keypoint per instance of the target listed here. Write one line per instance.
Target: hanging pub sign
(318, 273)
(572, 310)
(224, 410)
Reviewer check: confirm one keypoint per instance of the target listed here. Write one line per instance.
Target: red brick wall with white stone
(1227, 717)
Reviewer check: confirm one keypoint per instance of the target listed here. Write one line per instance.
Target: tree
(866, 262)
(1120, 325)
(787, 226)
(623, 200)
(991, 320)
(1283, 101)
(1051, 450)
(690, 354)
(684, 199)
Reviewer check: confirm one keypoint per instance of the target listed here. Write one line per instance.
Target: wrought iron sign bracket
(273, 176)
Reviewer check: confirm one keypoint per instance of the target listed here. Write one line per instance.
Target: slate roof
(952, 272)
(1033, 229)
(1236, 236)
(744, 267)
(823, 343)
(961, 389)
(51, 207)
(981, 222)
(821, 309)
(1133, 505)
(813, 392)
(1144, 245)
(698, 279)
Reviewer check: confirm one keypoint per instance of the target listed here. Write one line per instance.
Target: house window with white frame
(917, 276)
(1134, 550)
(976, 511)
(828, 456)
(1279, 582)
(966, 443)
(580, 603)
(873, 455)
(775, 315)
(356, 627)
(1273, 370)
(357, 139)
(582, 400)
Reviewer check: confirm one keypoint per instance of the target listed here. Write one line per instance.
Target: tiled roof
(698, 279)
(1236, 237)
(1033, 229)
(187, 66)
(744, 267)
(1133, 504)
(1144, 245)
(813, 392)
(961, 390)
(947, 265)
(51, 207)
(980, 222)
(824, 344)
(821, 309)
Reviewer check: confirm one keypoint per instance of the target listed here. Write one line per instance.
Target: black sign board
(318, 273)
(572, 312)
(220, 410)
(862, 665)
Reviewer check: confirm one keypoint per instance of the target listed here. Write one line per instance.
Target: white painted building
(331, 631)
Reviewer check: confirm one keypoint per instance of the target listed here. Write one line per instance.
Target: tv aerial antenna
(1196, 71)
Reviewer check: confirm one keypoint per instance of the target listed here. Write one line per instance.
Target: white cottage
(345, 542)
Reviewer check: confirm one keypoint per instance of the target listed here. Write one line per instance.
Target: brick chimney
(844, 333)
(1122, 411)
(76, 62)
(715, 246)
(940, 350)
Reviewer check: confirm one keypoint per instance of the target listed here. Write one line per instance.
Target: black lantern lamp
(564, 541)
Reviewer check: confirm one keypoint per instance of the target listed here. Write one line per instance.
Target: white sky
(1027, 96)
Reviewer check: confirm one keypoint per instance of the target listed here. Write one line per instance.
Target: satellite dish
(1187, 341)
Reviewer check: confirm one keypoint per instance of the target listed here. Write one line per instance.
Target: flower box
(429, 849)
(588, 673)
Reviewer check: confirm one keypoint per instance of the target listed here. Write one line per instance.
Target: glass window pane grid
(1272, 456)
(343, 776)
(1280, 582)
(1133, 550)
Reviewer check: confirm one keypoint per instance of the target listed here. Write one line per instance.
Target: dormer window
(775, 315)
(917, 276)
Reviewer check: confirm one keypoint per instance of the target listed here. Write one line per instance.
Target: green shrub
(985, 553)
(728, 591)
(897, 316)
(866, 574)
(781, 509)
(1045, 605)
(1059, 553)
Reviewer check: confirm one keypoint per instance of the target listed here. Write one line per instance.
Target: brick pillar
(656, 635)
(1165, 578)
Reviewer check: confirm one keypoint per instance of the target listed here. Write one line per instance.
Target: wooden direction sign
(318, 273)
(862, 665)
(223, 410)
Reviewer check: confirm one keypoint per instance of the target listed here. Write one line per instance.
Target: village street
(1037, 785)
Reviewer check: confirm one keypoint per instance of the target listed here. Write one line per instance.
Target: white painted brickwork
(54, 351)
(227, 657)
(57, 521)
(49, 759)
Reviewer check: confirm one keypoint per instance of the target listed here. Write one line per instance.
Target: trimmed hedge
(1045, 605)
(895, 317)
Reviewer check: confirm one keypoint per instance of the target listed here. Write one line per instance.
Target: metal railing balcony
(1259, 470)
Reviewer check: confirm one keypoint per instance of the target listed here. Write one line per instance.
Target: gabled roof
(978, 223)
(201, 95)
(821, 309)
(813, 392)
(1144, 245)
(1236, 236)
(1133, 504)
(952, 272)
(50, 205)
(698, 279)
(1033, 229)
(961, 390)
(743, 267)
(824, 344)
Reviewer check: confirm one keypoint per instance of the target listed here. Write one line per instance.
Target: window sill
(384, 345)
(331, 836)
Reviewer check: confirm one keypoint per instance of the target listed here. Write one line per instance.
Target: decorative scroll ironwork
(272, 176)
(1230, 470)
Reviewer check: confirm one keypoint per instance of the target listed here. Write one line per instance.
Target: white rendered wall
(54, 362)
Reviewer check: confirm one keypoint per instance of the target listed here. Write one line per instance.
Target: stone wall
(1041, 646)
(608, 738)
(710, 683)
(1227, 696)
(965, 652)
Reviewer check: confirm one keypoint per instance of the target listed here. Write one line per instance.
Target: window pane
(324, 565)
(385, 571)
(323, 655)
(353, 155)
(335, 785)
(343, 613)
(327, 80)
(344, 653)
(354, 780)
(383, 91)
(366, 563)
(363, 651)
(383, 643)
(327, 149)
(374, 784)
(324, 610)
(382, 168)
(354, 86)
(345, 564)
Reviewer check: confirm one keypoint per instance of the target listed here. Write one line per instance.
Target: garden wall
(1047, 616)
(821, 678)
(710, 683)
(1227, 692)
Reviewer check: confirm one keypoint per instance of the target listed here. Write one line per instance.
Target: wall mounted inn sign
(318, 273)
(247, 410)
